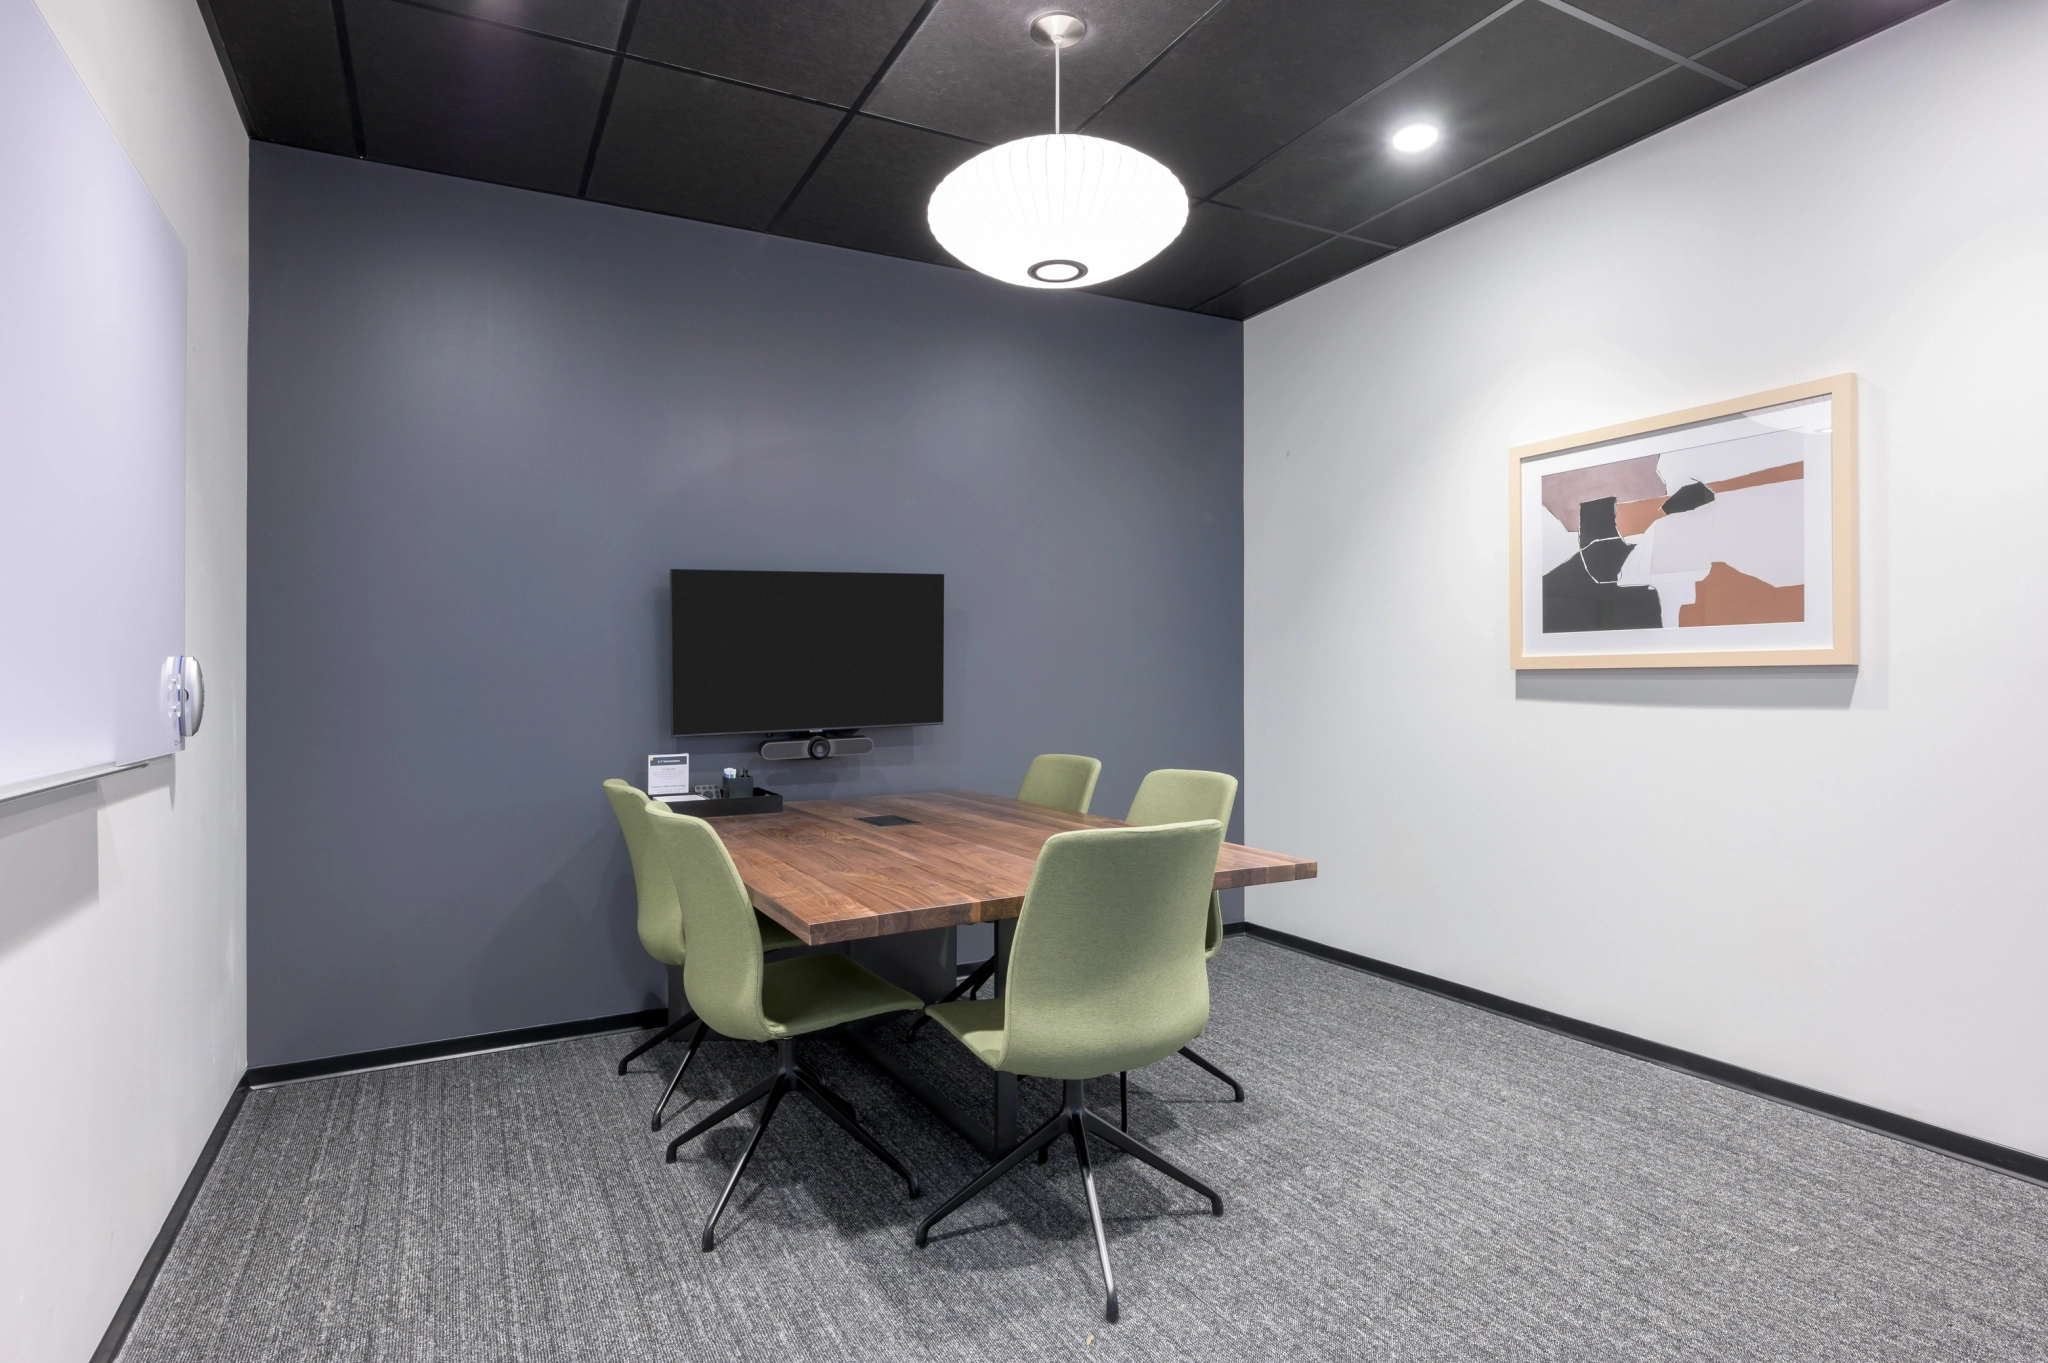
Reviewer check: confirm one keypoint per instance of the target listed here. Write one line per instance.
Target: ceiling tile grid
(833, 120)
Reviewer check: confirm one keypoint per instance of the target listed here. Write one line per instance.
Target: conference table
(843, 871)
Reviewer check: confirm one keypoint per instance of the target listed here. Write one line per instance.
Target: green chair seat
(811, 993)
(978, 1023)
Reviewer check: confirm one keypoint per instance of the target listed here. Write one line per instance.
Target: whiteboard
(92, 427)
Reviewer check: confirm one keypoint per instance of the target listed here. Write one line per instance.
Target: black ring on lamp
(1080, 271)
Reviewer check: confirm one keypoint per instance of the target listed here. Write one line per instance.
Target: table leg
(1003, 1126)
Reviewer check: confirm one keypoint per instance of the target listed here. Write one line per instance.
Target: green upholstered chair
(739, 995)
(1060, 781)
(1172, 795)
(1106, 974)
(661, 921)
(1057, 780)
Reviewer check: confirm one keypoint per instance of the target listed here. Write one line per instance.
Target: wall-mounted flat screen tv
(763, 653)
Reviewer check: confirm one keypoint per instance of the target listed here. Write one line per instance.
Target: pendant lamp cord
(1055, 89)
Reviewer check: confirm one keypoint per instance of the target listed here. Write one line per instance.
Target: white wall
(1834, 878)
(122, 982)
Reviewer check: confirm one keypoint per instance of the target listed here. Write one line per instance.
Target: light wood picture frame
(1719, 536)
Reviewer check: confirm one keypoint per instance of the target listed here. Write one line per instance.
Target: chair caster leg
(1236, 1089)
(779, 1086)
(1077, 1126)
(688, 1056)
(664, 1034)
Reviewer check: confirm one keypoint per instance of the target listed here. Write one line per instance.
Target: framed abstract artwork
(1723, 536)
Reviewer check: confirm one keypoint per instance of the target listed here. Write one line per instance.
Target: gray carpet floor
(1409, 1178)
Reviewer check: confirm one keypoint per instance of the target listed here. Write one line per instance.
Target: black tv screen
(778, 652)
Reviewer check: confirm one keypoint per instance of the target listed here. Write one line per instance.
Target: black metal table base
(996, 1137)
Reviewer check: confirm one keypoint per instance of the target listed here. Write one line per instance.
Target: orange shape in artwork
(1633, 518)
(1728, 597)
(1783, 473)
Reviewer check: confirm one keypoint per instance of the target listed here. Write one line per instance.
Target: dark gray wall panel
(484, 424)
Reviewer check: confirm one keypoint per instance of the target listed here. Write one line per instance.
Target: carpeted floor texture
(1409, 1178)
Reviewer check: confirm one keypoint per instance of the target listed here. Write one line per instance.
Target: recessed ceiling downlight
(1415, 137)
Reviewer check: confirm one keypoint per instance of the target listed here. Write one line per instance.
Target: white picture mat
(92, 426)
(1804, 428)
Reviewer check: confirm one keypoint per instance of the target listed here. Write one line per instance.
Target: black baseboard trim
(2004, 1159)
(262, 1076)
(160, 1248)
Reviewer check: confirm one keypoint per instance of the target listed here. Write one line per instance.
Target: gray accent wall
(485, 423)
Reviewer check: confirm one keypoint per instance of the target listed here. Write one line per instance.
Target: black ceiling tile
(1525, 71)
(973, 69)
(1813, 30)
(1219, 247)
(583, 21)
(441, 93)
(700, 148)
(1684, 26)
(287, 57)
(1676, 94)
(1337, 256)
(870, 193)
(1254, 75)
(819, 49)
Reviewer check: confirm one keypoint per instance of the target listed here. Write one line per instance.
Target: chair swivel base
(789, 1075)
(1074, 1119)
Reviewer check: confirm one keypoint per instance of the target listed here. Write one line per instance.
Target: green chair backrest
(1173, 795)
(1061, 781)
(1106, 969)
(722, 976)
(661, 918)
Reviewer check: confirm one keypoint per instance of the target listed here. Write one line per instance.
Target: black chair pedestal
(1075, 1120)
(790, 1075)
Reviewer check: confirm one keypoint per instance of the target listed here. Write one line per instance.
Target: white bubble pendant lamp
(1060, 211)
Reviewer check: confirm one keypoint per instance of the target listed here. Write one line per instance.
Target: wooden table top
(827, 876)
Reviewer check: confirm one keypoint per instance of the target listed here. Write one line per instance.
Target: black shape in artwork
(1581, 593)
(1690, 497)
